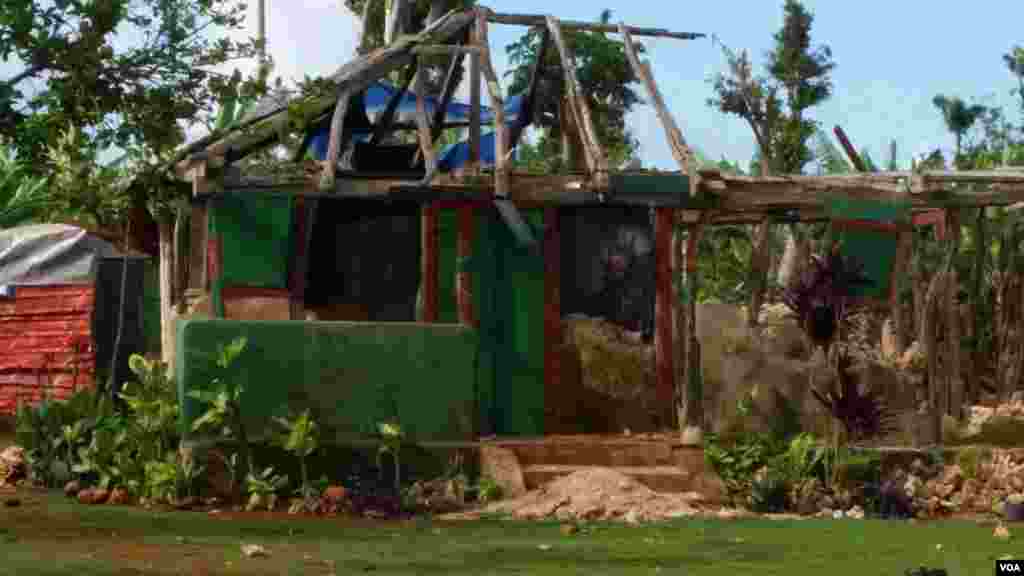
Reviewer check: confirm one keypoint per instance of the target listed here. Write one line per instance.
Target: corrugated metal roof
(39, 330)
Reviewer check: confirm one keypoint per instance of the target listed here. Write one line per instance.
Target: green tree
(958, 116)
(607, 81)
(23, 197)
(126, 73)
(799, 72)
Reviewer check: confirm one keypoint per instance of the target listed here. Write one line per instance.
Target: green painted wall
(350, 375)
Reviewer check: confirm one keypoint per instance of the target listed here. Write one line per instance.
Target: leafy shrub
(738, 460)
(969, 459)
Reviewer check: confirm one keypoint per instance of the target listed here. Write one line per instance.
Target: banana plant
(265, 486)
(391, 438)
(301, 437)
(22, 196)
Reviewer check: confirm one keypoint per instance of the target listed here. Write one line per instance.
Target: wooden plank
(198, 223)
(552, 300)
(536, 19)
(166, 270)
(693, 415)
(463, 279)
(664, 373)
(851, 152)
(428, 256)
(501, 176)
(596, 161)
(677, 144)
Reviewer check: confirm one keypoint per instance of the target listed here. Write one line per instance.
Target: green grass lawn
(49, 534)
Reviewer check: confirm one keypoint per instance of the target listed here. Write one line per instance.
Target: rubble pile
(12, 465)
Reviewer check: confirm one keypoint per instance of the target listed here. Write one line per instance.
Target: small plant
(862, 414)
(489, 491)
(391, 438)
(153, 407)
(188, 474)
(969, 459)
(263, 488)
(162, 479)
(1015, 499)
(738, 460)
(224, 409)
(301, 438)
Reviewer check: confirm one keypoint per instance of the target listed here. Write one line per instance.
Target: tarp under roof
(50, 254)
(454, 155)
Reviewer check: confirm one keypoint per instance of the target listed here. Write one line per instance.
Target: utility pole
(261, 29)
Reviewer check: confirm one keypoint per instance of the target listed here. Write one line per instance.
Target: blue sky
(892, 58)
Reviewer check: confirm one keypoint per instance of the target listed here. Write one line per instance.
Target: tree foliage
(799, 78)
(606, 79)
(126, 73)
(958, 116)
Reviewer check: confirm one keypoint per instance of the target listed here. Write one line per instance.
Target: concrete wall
(350, 375)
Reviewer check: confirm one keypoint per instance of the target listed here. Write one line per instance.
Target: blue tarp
(454, 155)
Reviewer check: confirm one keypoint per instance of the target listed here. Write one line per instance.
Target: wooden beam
(536, 19)
(851, 152)
(198, 223)
(444, 50)
(428, 261)
(526, 114)
(663, 349)
(423, 128)
(385, 121)
(437, 124)
(474, 99)
(329, 166)
(305, 216)
(680, 151)
(692, 419)
(501, 181)
(596, 161)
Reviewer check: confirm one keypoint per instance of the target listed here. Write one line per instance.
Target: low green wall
(350, 375)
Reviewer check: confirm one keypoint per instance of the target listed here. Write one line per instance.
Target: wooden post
(305, 216)
(334, 143)
(197, 246)
(474, 101)
(664, 373)
(552, 300)
(383, 124)
(501, 180)
(423, 128)
(448, 90)
(693, 416)
(463, 279)
(597, 163)
(428, 261)
(952, 310)
(680, 336)
(167, 324)
(977, 305)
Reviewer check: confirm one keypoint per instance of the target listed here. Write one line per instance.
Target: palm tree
(959, 117)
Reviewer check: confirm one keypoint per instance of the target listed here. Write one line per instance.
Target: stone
(569, 529)
(857, 513)
(914, 486)
(888, 347)
(502, 466)
(72, 488)
(335, 494)
(1001, 532)
(119, 496)
(256, 501)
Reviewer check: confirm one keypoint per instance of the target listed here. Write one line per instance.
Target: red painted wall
(39, 328)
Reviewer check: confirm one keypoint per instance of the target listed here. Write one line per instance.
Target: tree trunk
(167, 333)
(759, 260)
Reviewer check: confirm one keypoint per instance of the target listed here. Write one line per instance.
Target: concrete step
(669, 479)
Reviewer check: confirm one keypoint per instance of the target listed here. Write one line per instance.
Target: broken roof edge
(217, 144)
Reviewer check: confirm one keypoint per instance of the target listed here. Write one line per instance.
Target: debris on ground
(254, 551)
(596, 494)
(12, 465)
(1001, 532)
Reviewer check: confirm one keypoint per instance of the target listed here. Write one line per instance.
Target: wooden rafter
(597, 163)
(501, 182)
(680, 151)
(423, 128)
(448, 91)
(386, 119)
(329, 166)
(537, 19)
(526, 113)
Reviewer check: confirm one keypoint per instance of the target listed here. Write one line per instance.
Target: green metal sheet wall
(350, 375)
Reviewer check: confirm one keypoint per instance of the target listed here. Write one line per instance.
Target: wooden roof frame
(728, 198)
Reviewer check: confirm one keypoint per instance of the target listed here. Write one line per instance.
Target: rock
(857, 513)
(297, 506)
(1017, 397)
(335, 494)
(119, 496)
(825, 513)
(87, 496)
(502, 466)
(837, 514)
(632, 517)
(1001, 532)
(72, 488)
(914, 486)
(254, 551)
(569, 529)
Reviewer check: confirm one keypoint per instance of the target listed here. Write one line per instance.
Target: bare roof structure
(725, 197)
